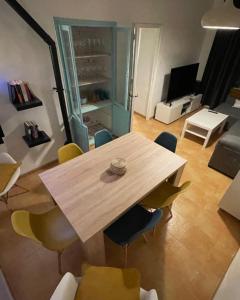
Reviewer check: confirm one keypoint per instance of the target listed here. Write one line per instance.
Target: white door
(147, 53)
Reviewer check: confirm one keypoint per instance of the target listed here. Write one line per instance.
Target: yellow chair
(164, 196)
(51, 229)
(68, 152)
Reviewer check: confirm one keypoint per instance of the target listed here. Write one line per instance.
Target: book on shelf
(20, 92)
(31, 130)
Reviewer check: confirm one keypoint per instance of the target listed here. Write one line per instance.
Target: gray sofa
(226, 156)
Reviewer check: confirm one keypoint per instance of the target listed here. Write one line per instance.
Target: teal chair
(167, 140)
(134, 223)
(102, 137)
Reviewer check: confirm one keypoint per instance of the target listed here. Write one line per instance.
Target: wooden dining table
(92, 198)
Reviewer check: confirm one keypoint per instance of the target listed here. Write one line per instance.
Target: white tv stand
(168, 113)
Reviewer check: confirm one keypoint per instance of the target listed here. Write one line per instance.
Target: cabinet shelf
(91, 81)
(42, 139)
(27, 105)
(95, 106)
(92, 56)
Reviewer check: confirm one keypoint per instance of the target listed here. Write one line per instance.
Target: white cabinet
(168, 113)
(231, 200)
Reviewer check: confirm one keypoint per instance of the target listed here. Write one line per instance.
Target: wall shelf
(42, 139)
(85, 108)
(27, 105)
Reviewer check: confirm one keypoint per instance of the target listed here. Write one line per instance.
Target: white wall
(23, 55)
(182, 38)
(205, 50)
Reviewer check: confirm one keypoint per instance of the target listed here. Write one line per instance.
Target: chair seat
(132, 224)
(58, 233)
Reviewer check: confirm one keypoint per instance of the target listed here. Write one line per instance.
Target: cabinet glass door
(123, 101)
(78, 130)
(68, 58)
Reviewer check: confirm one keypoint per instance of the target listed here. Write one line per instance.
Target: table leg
(184, 129)
(94, 250)
(207, 139)
(222, 126)
(175, 179)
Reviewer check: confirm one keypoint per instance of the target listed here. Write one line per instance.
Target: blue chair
(167, 140)
(102, 137)
(131, 225)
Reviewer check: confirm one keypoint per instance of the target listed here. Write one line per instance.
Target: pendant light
(226, 17)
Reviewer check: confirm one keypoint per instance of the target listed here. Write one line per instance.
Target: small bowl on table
(118, 166)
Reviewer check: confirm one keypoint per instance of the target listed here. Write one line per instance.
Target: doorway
(146, 64)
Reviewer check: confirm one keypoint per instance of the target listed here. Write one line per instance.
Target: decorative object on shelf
(21, 96)
(90, 46)
(101, 94)
(33, 136)
(84, 100)
(31, 130)
(225, 16)
(1, 136)
(118, 166)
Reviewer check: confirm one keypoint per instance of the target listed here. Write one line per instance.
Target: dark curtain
(223, 67)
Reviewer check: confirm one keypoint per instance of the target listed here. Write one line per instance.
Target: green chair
(51, 229)
(102, 137)
(130, 226)
(164, 195)
(68, 152)
(167, 140)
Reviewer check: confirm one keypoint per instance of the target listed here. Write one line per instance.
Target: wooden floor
(186, 259)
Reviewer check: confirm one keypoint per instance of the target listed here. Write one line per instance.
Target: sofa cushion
(231, 141)
(231, 138)
(227, 109)
(235, 129)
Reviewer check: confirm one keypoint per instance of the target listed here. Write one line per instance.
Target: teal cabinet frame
(120, 110)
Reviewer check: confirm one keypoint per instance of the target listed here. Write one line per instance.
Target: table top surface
(206, 119)
(92, 198)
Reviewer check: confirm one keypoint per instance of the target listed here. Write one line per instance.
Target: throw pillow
(236, 103)
(6, 173)
(105, 283)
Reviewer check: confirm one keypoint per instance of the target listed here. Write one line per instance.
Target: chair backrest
(181, 189)
(102, 137)
(167, 140)
(21, 222)
(67, 288)
(68, 152)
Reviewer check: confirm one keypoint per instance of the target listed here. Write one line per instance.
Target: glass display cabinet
(97, 65)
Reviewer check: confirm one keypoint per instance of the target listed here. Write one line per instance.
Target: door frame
(155, 64)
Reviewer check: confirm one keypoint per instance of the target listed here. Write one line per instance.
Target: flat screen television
(182, 81)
